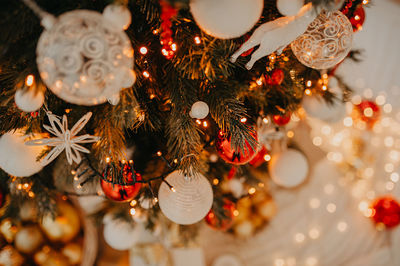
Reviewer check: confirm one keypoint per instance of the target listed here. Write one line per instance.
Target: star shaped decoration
(267, 132)
(65, 139)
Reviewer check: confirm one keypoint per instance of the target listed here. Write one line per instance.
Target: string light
(143, 50)
(267, 157)
(29, 80)
(290, 134)
(243, 120)
(146, 74)
(252, 190)
(133, 203)
(259, 81)
(314, 203)
(314, 233)
(307, 92)
(299, 237)
(197, 40)
(342, 226)
(215, 181)
(331, 208)
(308, 83)
(132, 211)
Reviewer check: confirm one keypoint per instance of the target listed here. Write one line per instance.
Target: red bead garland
(168, 45)
(358, 18)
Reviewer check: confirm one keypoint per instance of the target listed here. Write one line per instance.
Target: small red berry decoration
(120, 192)
(223, 144)
(276, 77)
(386, 211)
(281, 120)
(367, 111)
(222, 220)
(358, 18)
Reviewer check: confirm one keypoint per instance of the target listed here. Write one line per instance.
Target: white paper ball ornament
(326, 42)
(199, 110)
(85, 57)
(289, 7)
(189, 201)
(288, 168)
(16, 158)
(226, 19)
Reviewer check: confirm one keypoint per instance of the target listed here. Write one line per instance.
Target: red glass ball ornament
(223, 145)
(386, 211)
(222, 221)
(259, 158)
(367, 111)
(281, 120)
(358, 18)
(276, 77)
(121, 193)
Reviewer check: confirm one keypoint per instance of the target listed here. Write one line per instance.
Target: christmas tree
(168, 107)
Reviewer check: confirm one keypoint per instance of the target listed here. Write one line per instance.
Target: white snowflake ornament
(65, 139)
(85, 57)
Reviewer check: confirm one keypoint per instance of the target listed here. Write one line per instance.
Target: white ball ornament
(85, 57)
(29, 100)
(226, 19)
(288, 168)
(16, 158)
(119, 234)
(199, 110)
(189, 201)
(326, 42)
(119, 15)
(289, 7)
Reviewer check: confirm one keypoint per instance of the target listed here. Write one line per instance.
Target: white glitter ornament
(289, 7)
(29, 100)
(85, 57)
(226, 19)
(16, 158)
(199, 110)
(190, 199)
(288, 168)
(326, 42)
